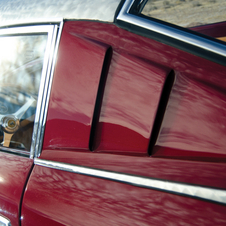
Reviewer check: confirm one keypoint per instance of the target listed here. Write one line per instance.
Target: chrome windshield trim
(38, 29)
(192, 191)
(49, 80)
(171, 32)
(4, 221)
(31, 22)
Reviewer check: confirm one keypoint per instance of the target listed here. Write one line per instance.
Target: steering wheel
(11, 123)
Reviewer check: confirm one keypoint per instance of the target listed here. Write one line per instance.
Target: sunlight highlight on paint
(2, 179)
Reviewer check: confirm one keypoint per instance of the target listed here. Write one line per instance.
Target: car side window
(204, 16)
(21, 62)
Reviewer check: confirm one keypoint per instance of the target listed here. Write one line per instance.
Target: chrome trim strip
(55, 47)
(192, 191)
(4, 221)
(42, 87)
(39, 29)
(49, 59)
(180, 35)
(31, 22)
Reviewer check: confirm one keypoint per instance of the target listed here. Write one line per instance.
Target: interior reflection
(21, 62)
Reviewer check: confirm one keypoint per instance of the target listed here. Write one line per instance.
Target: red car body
(134, 132)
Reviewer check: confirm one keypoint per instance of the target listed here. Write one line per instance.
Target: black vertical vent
(161, 110)
(100, 94)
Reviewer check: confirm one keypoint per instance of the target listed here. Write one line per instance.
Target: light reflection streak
(195, 118)
(206, 193)
(134, 102)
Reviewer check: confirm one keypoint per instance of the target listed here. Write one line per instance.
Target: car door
(25, 63)
(135, 126)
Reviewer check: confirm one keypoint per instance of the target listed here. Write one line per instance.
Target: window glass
(21, 60)
(190, 14)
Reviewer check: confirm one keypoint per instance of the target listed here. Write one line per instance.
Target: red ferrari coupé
(113, 112)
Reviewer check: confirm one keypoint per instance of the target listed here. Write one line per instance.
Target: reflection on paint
(55, 194)
(1, 179)
(195, 118)
(130, 102)
(13, 174)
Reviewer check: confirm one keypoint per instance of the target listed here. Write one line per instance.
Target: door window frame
(53, 31)
(190, 41)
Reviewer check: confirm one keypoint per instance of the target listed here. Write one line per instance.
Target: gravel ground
(187, 13)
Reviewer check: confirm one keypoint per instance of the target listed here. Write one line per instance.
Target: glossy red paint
(74, 90)
(195, 121)
(163, 55)
(130, 102)
(55, 197)
(209, 174)
(70, 199)
(14, 171)
(200, 84)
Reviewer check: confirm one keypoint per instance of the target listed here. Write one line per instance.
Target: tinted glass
(21, 60)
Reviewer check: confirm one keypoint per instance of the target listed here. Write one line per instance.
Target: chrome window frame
(55, 45)
(182, 35)
(53, 31)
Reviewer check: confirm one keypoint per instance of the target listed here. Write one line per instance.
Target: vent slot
(161, 110)
(100, 93)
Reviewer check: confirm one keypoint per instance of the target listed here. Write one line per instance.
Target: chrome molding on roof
(171, 32)
(192, 191)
